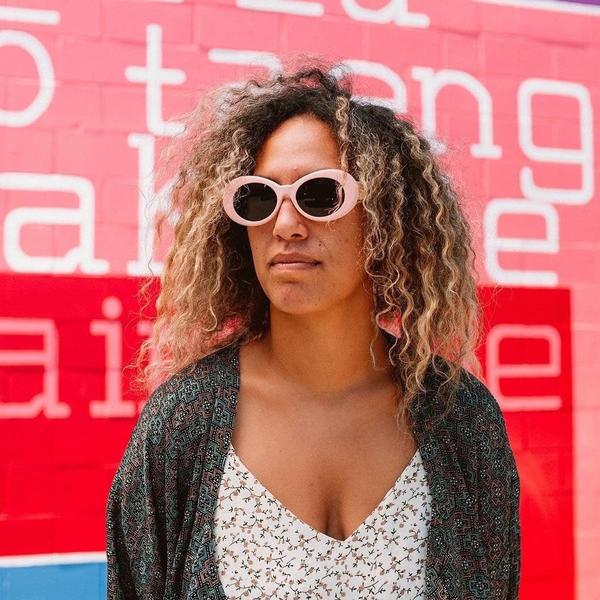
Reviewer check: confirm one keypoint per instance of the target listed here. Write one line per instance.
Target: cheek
(346, 249)
(257, 241)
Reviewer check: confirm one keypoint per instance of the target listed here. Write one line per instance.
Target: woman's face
(301, 145)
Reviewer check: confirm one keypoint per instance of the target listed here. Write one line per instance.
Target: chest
(329, 465)
(451, 567)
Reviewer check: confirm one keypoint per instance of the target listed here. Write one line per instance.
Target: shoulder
(474, 422)
(479, 428)
(479, 407)
(476, 398)
(178, 412)
(470, 399)
(195, 383)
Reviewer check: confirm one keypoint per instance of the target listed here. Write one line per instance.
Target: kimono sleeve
(135, 511)
(499, 495)
(514, 564)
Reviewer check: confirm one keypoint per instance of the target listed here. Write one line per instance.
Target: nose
(288, 222)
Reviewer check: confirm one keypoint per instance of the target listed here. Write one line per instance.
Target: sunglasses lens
(254, 201)
(321, 196)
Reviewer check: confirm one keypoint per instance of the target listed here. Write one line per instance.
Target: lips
(294, 262)
(294, 266)
(293, 257)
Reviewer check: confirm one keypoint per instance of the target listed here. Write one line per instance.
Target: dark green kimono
(161, 503)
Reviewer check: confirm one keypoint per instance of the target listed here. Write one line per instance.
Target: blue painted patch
(79, 581)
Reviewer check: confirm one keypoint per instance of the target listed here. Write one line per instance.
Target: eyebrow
(299, 176)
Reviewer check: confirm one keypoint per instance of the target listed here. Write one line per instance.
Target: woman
(315, 434)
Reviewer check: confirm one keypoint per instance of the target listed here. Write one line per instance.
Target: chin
(294, 302)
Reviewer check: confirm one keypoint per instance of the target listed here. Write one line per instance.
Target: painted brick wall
(90, 92)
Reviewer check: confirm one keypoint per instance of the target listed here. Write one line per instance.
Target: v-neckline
(316, 532)
(223, 419)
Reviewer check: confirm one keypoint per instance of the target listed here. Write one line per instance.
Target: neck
(327, 354)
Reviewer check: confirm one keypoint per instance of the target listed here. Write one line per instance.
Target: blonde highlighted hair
(417, 246)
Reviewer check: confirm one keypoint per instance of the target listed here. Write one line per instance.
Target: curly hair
(417, 245)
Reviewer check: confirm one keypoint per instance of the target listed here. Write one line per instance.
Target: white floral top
(264, 550)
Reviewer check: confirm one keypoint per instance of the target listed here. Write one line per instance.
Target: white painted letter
(47, 401)
(583, 156)
(45, 70)
(83, 216)
(494, 244)
(154, 76)
(150, 203)
(396, 11)
(431, 84)
(290, 7)
(144, 329)
(378, 71)
(497, 370)
(114, 405)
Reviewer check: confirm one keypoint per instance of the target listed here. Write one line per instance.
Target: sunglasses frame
(349, 185)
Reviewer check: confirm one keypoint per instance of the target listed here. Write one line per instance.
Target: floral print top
(264, 550)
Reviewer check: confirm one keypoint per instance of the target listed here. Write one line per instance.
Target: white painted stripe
(292, 7)
(550, 5)
(39, 560)
(29, 15)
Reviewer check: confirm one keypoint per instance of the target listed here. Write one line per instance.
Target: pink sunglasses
(322, 195)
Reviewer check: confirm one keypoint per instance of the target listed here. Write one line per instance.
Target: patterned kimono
(161, 504)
